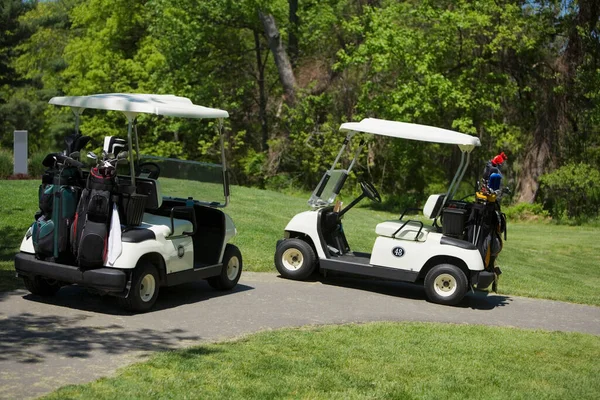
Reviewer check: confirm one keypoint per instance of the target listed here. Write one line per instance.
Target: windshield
(333, 180)
(328, 188)
(184, 178)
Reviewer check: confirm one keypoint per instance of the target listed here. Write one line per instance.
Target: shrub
(572, 191)
(35, 167)
(6, 164)
(526, 211)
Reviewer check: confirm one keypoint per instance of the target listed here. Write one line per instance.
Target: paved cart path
(76, 337)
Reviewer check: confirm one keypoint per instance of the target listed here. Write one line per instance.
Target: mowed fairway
(377, 360)
(539, 259)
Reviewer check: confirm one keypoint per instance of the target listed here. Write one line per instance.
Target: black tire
(446, 284)
(231, 271)
(40, 286)
(295, 259)
(145, 284)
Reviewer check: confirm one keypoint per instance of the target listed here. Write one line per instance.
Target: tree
(15, 109)
(558, 123)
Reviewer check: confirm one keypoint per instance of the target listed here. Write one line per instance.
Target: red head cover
(499, 159)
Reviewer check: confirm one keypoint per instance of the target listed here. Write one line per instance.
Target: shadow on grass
(477, 300)
(10, 240)
(78, 298)
(9, 281)
(27, 338)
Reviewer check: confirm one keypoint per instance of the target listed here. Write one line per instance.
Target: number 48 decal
(398, 251)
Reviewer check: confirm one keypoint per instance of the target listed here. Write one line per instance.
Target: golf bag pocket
(98, 208)
(90, 228)
(79, 220)
(46, 198)
(42, 235)
(92, 244)
(63, 214)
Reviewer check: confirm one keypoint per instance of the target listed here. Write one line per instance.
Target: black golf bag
(58, 196)
(89, 237)
(485, 227)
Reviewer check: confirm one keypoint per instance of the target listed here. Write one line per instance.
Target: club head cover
(81, 142)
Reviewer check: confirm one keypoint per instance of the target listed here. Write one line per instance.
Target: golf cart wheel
(231, 272)
(445, 284)
(40, 286)
(295, 259)
(145, 283)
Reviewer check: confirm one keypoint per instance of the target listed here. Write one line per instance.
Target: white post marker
(20, 152)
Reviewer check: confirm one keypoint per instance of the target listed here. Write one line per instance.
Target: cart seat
(162, 225)
(409, 232)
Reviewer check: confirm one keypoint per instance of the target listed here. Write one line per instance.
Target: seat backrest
(433, 205)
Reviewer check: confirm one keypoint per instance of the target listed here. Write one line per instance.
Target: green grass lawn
(539, 259)
(377, 360)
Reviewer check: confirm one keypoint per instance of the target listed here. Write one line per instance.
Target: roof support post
(77, 112)
(220, 131)
(460, 167)
(130, 119)
(462, 174)
(137, 143)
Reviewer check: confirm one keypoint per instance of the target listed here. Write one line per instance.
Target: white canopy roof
(405, 130)
(133, 104)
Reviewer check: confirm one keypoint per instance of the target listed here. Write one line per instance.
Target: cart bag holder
(132, 206)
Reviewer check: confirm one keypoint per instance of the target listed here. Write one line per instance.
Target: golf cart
(448, 259)
(113, 230)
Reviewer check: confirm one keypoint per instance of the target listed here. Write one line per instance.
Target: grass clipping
(375, 360)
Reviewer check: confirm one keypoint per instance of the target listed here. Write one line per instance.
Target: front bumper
(108, 280)
(482, 279)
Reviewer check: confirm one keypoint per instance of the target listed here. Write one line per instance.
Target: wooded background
(524, 76)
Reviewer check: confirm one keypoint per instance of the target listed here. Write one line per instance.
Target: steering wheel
(150, 168)
(370, 191)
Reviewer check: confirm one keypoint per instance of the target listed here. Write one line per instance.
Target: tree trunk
(293, 35)
(282, 61)
(534, 166)
(550, 125)
(262, 97)
(288, 81)
(555, 119)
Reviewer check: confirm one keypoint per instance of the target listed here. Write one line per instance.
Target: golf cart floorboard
(199, 272)
(358, 264)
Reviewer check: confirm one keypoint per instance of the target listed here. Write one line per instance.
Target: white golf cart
(405, 250)
(177, 238)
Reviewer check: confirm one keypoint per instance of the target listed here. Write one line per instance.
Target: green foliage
(572, 191)
(6, 163)
(35, 167)
(525, 212)
(476, 67)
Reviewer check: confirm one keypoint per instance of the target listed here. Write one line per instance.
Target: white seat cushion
(409, 232)
(162, 225)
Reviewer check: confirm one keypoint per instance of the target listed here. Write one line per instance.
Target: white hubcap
(233, 267)
(147, 288)
(445, 285)
(292, 259)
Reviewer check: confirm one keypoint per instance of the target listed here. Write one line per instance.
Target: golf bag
(90, 232)
(58, 196)
(485, 227)
(89, 236)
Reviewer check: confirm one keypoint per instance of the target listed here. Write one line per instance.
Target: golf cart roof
(405, 130)
(158, 104)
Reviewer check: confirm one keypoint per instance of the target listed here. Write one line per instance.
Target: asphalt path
(75, 337)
